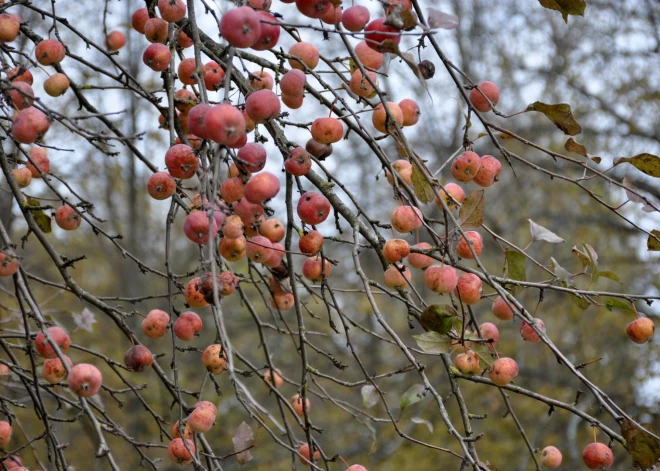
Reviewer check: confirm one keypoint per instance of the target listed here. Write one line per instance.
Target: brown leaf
(565, 7)
(652, 243)
(422, 187)
(573, 146)
(471, 214)
(643, 446)
(560, 115)
(647, 163)
(409, 59)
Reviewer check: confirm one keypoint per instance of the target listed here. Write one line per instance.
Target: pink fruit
(214, 360)
(214, 76)
(54, 371)
(640, 330)
(466, 166)
(58, 336)
(368, 56)
(327, 130)
(157, 57)
(67, 218)
(501, 309)
(252, 157)
(297, 404)
(463, 249)
(241, 27)
(20, 74)
(293, 102)
(8, 264)
(313, 8)
(468, 288)
(355, 18)
(598, 456)
(155, 324)
(356, 467)
(318, 150)
(299, 162)
(504, 371)
(306, 456)
(224, 124)
(187, 326)
(452, 195)
(9, 28)
(259, 249)
(56, 85)
(38, 161)
(198, 229)
(313, 269)
(262, 106)
(161, 185)
(29, 125)
(527, 333)
(185, 71)
(313, 208)
(468, 363)
(182, 39)
(311, 243)
(491, 92)
(270, 33)
(418, 260)
(201, 419)
(49, 52)
(394, 279)
(262, 187)
(179, 452)
(551, 457)
(274, 378)
(196, 117)
(232, 189)
(382, 122)
(260, 4)
(260, 80)
(489, 170)
(115, 40)
(489, 331)
(381, 37)
(172, 10)
(306, 54)
(22, 176)
(5, 433)
(403, 168)
(139, 19)
(138, 358)
(407, 219)
(156, 30)
(248, 212)
(293, 82)
(395, 250)
(272, 229)
(441, 278)
(85, 380)
(181, 161)
(360, 85)
(22, 95)
(411, 112)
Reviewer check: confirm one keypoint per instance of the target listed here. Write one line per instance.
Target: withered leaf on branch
(647, 163)
(644, 447)
(560, 115)
(565, 7)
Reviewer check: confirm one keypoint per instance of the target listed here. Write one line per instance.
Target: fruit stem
(344, 461)
(636, 313)
(594, 429)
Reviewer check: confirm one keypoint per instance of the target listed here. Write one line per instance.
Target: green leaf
(565, 7)
(412, 396)
(482, 351)
(41, 218)
(560, 115)
(369, 396)
(433, 342)
(515, 267)
(438, 318)
(647, 163)
(610, 275)
(471, 214)
(616, 303)
(652, 243)
(581, 303)
(421, 185)
(644, 447)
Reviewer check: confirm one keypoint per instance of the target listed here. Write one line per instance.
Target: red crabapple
(8, 265)
(297, 404)
(356, 467)
(85, 380)
(407, 219)
(58, 336)
(382, 122)
(452, 195)
(293, 82)
(306, 455)
(233, 227)
(56, 85)
(293, 102)
(270, 33)
(273, 230)
(306, 54)
(327, 130)
(5, 433)
(262, 187)
(20, 74)
(318, 150)
(224, 124)
(161, 185)
(67, 218)
(313, 269)
(468, 288)
(418, 260)
(22, 95)
(411, 111)
(403, 168)
(598, 456)
(248, 212)
(49, 52)
(261, 79)
(185, 71)
(311, 243)
(184, 100)
(157, 57)
(138, 358)
(395, 250)
(29, 125)
(22, 176)
(394, 279)
(551, 457)
(355, 18)
(259, 249)
(313, 8)
(466, 166)
(381, 37)
(214, 76)
(501, 309)
(298, 163)
(503, 371)
(187, 433)
(273, 378)
(489, 170)
(467, 363)
(155, 324)
(241, 27)
(232, 250)
(156, 30)
(640, 330)
(262, 106)
(490, 90)
(232, 189)
(527, 333)
(38, 155)
(489, 331)
(201, 419)
(196, 120)
(360, 85)
(115, 40)
(139, 19)
(197, 227)
(214, 360)
(172, 10)
(181, 161)
(463, 248)
(54, 371)
(9, 28)
(187, 326)
(441, 278)
(177, 451)
(182, 39)
(283, 302)
(368, 56)
(251, 157)
(332, 16)
(313, 208)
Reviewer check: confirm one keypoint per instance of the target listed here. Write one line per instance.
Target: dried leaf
(369, 396)
(516, 268)
(409, 59)
(652, 243)
(412, 396)
(85, 320)
(433, 342)
(565, 7)
(541, 233)
(616, 303)
(40, 218)
(242, 439)
(439, 19)
(631, 196)
(471, 214)
(643, 446)
(438, 318)
(573, 146)
(501, 135)
(422, 187)
(419, 420)
(560, 115)
(647, 163)
(562, 274)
